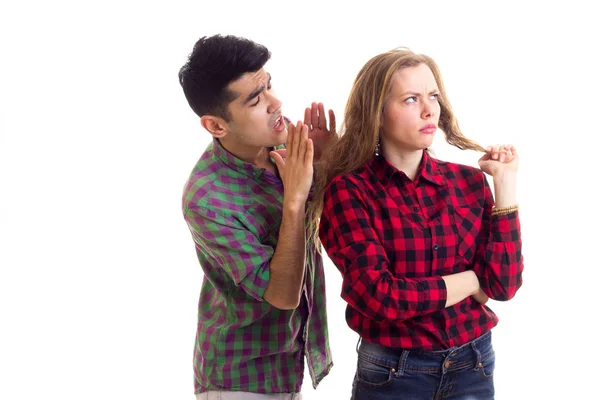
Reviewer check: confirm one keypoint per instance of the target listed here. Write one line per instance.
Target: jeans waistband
(482, 343)
(468, 355)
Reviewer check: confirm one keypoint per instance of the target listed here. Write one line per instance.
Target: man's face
(256, 118)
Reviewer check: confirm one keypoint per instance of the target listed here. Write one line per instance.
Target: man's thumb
(278, 160)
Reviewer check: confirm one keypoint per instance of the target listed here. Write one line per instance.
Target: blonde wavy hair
(362, 123)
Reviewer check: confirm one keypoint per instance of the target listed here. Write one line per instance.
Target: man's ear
(216, 126)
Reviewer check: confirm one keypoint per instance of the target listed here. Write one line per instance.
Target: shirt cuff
(256, 283)
(433, 294)
(506, 228)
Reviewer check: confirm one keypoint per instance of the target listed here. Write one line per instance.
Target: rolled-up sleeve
(224, 242)
(499, 262)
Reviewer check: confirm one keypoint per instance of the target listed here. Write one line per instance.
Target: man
(262, 302)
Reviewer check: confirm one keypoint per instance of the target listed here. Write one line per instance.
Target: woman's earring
(377, 147)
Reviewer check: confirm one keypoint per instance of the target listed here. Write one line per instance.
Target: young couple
(421, 243)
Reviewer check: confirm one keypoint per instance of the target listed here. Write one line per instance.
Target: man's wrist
(294, 204)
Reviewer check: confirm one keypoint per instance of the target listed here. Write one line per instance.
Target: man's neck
(257, 156)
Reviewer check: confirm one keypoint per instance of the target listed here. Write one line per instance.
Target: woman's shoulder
(354, 179)
(452, 169)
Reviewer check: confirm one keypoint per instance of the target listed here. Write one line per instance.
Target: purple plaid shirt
(233, 210)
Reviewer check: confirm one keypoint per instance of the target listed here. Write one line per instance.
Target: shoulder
(342, 187)
(466, 182)
(212, 185)
(353, 180)
(454, 171)
(347, 191)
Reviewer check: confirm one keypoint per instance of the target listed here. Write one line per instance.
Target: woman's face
(411, 112)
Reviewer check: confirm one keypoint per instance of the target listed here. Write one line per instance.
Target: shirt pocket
(467, 225)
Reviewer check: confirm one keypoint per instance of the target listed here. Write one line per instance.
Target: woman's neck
(405, 161)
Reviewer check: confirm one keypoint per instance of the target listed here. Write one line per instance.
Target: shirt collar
(239, 165)
(428, 170)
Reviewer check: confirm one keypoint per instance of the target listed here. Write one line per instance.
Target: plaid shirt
(393, 239)
(233, 210)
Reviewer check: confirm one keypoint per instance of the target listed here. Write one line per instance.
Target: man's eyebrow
(256, 92)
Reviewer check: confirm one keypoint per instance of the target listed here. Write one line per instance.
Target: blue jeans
(459, 373)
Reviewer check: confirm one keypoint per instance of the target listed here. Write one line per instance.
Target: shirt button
(416, 209)
(435, 246)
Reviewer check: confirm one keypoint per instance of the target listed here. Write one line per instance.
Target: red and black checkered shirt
(393, 239)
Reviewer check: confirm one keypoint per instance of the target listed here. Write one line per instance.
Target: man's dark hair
(214, 63)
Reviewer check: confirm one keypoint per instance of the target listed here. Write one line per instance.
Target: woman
(420, 242)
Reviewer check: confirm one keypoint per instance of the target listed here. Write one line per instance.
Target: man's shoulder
(211, 182)
(203, 177)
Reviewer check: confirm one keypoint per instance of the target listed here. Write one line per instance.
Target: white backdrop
(99, 281)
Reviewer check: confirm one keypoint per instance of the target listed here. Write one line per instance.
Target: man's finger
(281, 152)
(307, 116)
(314, 116)
(310, 152)
(322, 119)
(331, 121)
(302, 139)
(278, 161)
(291, 136)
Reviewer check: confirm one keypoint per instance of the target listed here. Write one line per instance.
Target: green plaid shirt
(233, 210)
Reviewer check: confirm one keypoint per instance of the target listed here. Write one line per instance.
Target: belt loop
(478, 364)
(358, 343)
(401, 363)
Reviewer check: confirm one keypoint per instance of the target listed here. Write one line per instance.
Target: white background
(99, 281)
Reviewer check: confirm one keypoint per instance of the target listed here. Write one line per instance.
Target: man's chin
(281, 137)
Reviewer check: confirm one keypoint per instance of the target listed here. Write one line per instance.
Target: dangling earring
(377, 147)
